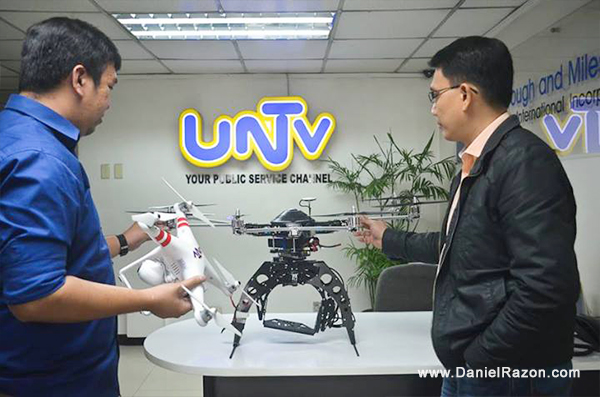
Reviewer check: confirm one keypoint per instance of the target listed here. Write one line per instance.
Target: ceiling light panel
(236, 26)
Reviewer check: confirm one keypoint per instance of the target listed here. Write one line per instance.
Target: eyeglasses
(433, 95)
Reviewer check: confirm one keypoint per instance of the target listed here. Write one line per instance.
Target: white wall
(140, 131)
(577, 34)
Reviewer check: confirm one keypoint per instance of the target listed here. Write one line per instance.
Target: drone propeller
(222, 276)
(367, 213)
(195, 211)
(162, 216)
(217, 222)
(150, 218)
(411, 204)
(215, 225)
(236, 216)
(169, 208)
(401, 197)
(220, 319)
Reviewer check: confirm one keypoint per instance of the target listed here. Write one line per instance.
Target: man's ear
(79, 79)
(466, 95)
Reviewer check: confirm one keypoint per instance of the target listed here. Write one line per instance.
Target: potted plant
(391, 175)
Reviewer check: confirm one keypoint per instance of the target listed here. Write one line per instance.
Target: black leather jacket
(506, 290)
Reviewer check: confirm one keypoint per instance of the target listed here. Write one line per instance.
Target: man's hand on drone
(371, 231)
(135, 236)
(169, 300)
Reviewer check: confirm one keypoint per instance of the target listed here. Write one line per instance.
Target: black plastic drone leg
(335, 303)
(331, 283)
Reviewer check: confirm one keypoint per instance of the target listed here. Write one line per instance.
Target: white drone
(177, 258)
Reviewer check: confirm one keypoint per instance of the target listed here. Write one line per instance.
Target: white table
(392, 347)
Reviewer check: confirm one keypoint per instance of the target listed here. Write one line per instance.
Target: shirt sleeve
(411, 247)
(39, 209)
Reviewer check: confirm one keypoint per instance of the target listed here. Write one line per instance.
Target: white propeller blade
(218, 268)
(147, 218)
(150, 218)
(220, 319)
(249, 297)
(195, 211)
(199, 215)
(174, 191)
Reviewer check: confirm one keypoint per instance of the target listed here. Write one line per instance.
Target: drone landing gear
(290, 326)
(335, 310)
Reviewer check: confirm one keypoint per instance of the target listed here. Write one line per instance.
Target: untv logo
(584, 119)
(269, 133)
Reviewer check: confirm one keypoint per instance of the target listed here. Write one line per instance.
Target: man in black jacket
(507, 281)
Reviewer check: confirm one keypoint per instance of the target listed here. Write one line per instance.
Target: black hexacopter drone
(292, 238)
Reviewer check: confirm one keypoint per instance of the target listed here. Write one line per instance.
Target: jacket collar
(509, 124)
(64, 130)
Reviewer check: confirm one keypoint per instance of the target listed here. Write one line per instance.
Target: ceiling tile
(107, 24)
(46, 5)
(4, 72)
(392, 48)
(492, 3)
(298, 66)
(415, 65)
(219, 66)
(10, 50)
(156, 6)
(362, 65)
(279, 5)
(282, 49)
(131, 49)
(545, 47)
(536, 66)
(9, 83)
(388, 24)
(432, 46)
(199, 49)
(594, 5)
(14, 65)
(7, 32)
(141, 67)
(363, 5)
(582, 23)
(472, 22)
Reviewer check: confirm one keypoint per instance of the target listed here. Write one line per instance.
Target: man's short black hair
(481, 61)
(52, 48)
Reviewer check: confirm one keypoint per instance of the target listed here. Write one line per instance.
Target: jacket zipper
(447, 245)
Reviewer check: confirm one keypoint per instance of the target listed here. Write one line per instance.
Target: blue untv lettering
(269, 133)
(562, 136)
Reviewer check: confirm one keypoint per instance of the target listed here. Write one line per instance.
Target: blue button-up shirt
(49, 228)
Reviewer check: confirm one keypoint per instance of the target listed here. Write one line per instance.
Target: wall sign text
(269, 133)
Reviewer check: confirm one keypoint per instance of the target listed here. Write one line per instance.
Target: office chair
(405, 288)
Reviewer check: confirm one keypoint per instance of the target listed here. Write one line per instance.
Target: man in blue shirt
(58, 299)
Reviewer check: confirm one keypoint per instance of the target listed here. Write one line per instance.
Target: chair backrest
(405, 288)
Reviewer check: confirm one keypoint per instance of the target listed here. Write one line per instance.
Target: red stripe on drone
(167, 240)
(160, 236)
(181, 219)
(180, 224)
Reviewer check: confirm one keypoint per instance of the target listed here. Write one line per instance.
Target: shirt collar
(67, 132)
(476, 147)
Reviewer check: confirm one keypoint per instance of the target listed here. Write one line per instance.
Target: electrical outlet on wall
(104, 171)
(316, 306)
(118, 171)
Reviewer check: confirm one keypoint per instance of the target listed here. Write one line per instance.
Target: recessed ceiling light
(228, 26)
